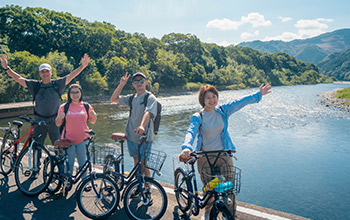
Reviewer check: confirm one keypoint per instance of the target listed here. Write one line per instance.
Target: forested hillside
(31, 36)
(337, 65)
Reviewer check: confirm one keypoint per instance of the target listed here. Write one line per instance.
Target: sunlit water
(294, 152)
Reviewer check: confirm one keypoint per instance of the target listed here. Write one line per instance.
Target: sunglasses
(138, 81)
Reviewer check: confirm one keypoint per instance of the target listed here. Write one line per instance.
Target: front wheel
(102, 204)
(220, 211)
(182, 187)
(29, 172)
(6, 157)
(151, 206)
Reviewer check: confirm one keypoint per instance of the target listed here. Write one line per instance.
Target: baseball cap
(44, 66)
(138, 74)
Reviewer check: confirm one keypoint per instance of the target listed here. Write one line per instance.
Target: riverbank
(330, 100)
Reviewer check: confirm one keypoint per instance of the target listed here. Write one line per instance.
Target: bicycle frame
(200, 202)
(132, 176)
(73, 179)
(119, 163)
(29, 133)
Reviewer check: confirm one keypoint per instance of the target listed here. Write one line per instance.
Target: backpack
(37, 87)
(66, 107)
(156, 120)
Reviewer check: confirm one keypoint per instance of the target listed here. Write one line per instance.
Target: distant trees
(31, 36)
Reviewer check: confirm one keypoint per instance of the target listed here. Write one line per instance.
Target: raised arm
(74, 73)
(118, 90)
(265, 89)
(10, 72)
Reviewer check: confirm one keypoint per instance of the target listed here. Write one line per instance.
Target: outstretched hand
(124, 79)
(4, 61)
(85, 60)
(265, 89)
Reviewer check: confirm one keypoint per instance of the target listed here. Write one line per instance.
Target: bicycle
(97, 194)
(25, 162)
(216, 167)
(139, 189)
(10, 146)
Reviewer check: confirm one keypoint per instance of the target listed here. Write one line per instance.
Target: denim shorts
(132, 147)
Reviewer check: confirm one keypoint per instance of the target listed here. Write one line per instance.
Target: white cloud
(224, 43)
(254, 18)
(307, 29)
(312, 28)
(224, 24)
(285, 19)
(246, 35)
(307, 33)
(286, 36)
(313, 24)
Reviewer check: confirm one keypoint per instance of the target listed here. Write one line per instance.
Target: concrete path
(14, 205)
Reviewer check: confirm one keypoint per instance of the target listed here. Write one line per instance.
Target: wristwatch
(7, 68)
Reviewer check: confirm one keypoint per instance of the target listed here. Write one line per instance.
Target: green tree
(60, 62)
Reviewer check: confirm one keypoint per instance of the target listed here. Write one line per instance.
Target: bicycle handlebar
(197, 153)
(30, 120)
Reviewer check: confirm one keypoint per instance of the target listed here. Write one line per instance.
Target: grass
(344, 94)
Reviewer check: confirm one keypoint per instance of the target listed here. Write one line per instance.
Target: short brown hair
(203, 90)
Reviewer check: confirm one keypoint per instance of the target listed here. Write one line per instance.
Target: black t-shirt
(47, 100)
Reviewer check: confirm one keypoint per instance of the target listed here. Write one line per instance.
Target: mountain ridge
(312, 50)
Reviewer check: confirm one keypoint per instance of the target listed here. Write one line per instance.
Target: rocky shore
(330, 100)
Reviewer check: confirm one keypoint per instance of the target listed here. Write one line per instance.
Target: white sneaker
(205, 216)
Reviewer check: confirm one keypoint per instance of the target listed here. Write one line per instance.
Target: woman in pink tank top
(76, 117)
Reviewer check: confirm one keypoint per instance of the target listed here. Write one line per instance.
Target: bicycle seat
(64, 143)
(18, 123)
(118, 136)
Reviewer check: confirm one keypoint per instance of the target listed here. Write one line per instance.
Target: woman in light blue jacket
(210, 125)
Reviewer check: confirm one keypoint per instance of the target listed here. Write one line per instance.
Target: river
(294, 153)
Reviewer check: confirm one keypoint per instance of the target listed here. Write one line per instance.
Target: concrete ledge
(15, 109)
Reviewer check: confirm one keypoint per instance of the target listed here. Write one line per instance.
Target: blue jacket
(226, 110)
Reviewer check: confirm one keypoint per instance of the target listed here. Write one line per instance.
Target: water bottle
(222, 187)
(211, 185)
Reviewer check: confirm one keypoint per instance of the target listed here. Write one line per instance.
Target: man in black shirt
(47, 94)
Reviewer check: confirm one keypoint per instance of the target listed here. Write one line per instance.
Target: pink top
(76, 122)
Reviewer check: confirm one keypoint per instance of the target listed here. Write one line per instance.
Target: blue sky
(222, 22)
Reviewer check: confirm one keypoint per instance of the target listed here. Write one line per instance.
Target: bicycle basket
(101, 152)
(155, 160)
(224, 173)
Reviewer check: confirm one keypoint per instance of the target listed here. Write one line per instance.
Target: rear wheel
(152, 206)
(182, 186)
(111, 165)
(29, 170)
(101, 205)
(56, 182)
